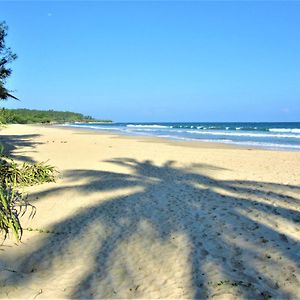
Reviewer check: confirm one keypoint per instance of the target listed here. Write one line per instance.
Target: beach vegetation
(26, 174)
(31, 116)
(13, 205)
(6, 57)
(6, 116)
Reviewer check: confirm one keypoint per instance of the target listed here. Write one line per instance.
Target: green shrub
(27, 116)
(12, 206)
(25, 174)
(6, 116)
(12, 203)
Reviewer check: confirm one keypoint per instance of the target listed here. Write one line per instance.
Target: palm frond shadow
(11, 144)
(221, 221)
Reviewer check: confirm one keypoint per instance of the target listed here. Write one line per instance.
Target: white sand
(146, 218)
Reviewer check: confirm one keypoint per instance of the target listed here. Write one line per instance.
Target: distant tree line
(31, 116)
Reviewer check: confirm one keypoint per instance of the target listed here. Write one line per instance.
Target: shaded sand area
(133, 217)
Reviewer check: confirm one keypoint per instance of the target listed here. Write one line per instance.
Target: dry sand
(148, 218)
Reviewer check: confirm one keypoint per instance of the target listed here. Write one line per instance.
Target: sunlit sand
(133, 217)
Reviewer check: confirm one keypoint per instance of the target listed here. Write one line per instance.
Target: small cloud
(49, 14)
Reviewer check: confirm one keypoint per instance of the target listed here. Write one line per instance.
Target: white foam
(147, 126)
(294, 130)
(244, 134)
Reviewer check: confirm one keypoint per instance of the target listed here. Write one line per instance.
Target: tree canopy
(30, 116)
(6, 57)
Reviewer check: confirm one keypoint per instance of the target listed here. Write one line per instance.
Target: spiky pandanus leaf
(12, 207)
(26, 174)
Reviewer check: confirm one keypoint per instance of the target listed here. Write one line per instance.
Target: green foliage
(25, 174)
(6, 57)
(12, 206)
(12, 203)
(30, 116)
(6, 116)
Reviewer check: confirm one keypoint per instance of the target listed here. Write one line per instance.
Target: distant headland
(33, 116)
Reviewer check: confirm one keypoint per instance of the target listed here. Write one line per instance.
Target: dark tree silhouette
(6, 57)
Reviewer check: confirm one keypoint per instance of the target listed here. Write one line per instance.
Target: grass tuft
(12, 207)
(26, 174)
(13, 204)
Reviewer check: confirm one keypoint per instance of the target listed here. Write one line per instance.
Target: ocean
(277, 136)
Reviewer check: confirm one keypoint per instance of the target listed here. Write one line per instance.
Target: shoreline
(186, 143)
(187, 140)
(133, 217)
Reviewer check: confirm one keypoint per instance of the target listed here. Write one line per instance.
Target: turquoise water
(279, 136)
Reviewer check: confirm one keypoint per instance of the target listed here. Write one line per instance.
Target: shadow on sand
(234, 227)
(11, 144)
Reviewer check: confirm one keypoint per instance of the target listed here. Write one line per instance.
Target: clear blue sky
(157, 61)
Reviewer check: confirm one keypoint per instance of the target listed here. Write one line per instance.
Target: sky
(157, 61)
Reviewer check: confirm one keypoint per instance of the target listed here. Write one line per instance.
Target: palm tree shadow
(12, 143)
(232, 229)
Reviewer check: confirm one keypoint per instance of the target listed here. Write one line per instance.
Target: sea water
(278, 136)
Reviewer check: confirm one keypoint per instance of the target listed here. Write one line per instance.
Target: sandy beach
(135, 217)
